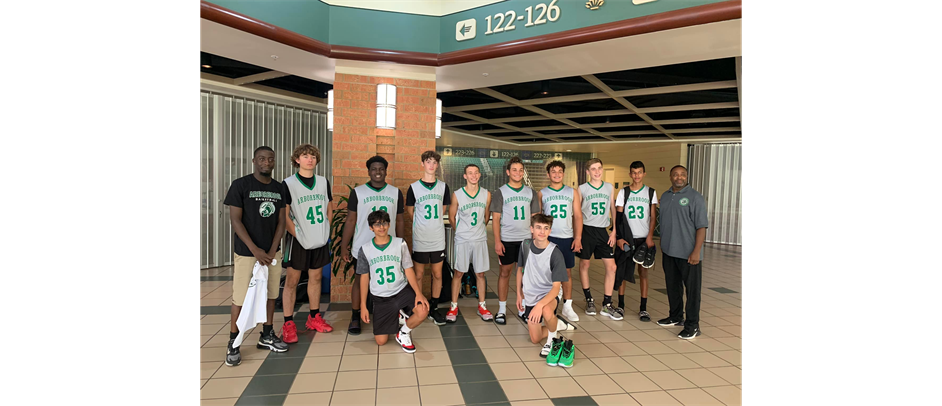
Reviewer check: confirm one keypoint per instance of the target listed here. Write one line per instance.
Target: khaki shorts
(242, 274)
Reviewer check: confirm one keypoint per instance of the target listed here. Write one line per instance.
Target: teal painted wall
(384, 30)
(310, 18)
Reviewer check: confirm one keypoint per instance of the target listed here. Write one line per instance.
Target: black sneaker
(669, 322)
(500, 318)
(644, 316)
(436, 317)
(688, 334)
(272, 342)
(649, 257)
(640, 253)
(354, 327)
(233, 357)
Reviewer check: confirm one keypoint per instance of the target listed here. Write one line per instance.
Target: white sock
(568, 304)
(405, 329)
(482, 305)
(502, 307)
(550, 337)
(454, 305)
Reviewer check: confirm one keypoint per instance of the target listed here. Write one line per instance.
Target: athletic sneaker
(669, 322)
(317, 323)
(553, 358)
(688, 334)
(562, 325)
(402, 318)
(569, 314)
(272, 342)
(500, 318)
(289, 332)
(452, 315)
(354, 327)
(649, 257)
(546, 350)
(568, 352)
(644, 316)
(233, 356)
(640, 253)
(436, 317)
(590, 306)
(405, 340)
(612, 312)
(484, 313)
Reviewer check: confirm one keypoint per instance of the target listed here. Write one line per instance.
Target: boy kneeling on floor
(541, 270)
(392, 283)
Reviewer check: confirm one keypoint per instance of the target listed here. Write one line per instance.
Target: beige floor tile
(306, 383)
(224, 388)
(308, 399)
(427, 330)
(561, 387)
(441, 395)
(355, 380)
(212, 354)
(539, 402)
(320, 364)
(211, 302)
(598, 385)
(702, 377)
(634, 382)
(361, 348)
(522, 389)
(732, 356)
(398, 396)
(320, 349)
(636, 335)
(729, 395)
(676, 361)
(615, 400)
(612, 365)
(668, 333)
(216, 319)
(656, 398)
(710, 344)
(211, 329)
(654, 347)
(694, 397)
(682, 346)
(668, 380)
(218, 340)
(246, 368)
(510, 370)
(645, 363)
(219, 402)
(490, 342)
(203, 382)
(515, 328)
(732, 375)
(396, 360)
(436, 375)
(531, 353)
(431, 359)
(338, 335)
(539, 369)
(732, 342)
(426, 344)
(207, 369)
(596, 350)
(485, 330)
(608, 337)
(584, 367)
(593, 326)
(624, 349)
(393, 378)
(499, 355)
(365, 397)
(358, 362)
(707, 360)
(583, 338)
(734, 330)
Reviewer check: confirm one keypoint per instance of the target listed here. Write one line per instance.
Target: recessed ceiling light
(206, 66)
(568, 150)
(275, 57)
(484, 74)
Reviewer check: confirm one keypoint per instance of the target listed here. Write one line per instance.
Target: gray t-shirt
(545, 268)
(515, 220)
(681, 214)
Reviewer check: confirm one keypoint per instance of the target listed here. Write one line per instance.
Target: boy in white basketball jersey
(598, 214)
(425, 207)
(389, 277)
(365, 199)
(511, 207)
(564, 205)
(470, 209)
(638, 209)
(307, 220)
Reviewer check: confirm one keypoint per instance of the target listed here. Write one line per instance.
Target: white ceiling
(424, 7)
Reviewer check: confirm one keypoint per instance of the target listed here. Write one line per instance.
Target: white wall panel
(715, 170)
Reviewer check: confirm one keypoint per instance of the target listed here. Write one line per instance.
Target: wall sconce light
(330, 110)
(438, 118)
(385, 106)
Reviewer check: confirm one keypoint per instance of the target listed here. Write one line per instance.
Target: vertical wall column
(356, 139)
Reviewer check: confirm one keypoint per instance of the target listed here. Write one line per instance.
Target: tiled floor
(476, 362)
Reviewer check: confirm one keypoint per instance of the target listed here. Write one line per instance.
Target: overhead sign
(466, 29)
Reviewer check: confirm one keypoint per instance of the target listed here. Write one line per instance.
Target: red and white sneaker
(452, 315)
(484, 313)
(318, 323)
(289, 332)
(405, 340)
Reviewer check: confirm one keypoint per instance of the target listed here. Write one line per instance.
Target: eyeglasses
(380, 224)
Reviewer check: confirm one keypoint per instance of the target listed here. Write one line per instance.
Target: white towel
(255, 306)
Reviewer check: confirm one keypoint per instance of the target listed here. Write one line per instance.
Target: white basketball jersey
(515, 213)
(428, 228)
(558, 205)
(596, 204)
(387, 277)
(309, 211)
(470, 222)
(368, 201)
(637, 210)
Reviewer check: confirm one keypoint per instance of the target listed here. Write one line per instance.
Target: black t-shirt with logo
(260, 205)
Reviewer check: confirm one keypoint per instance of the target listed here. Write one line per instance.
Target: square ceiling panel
(465, 98)
(680, 74)
(676, 115)
(679, 99)
(547, 88)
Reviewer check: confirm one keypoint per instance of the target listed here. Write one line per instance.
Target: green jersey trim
(516, 190)
(429, 187)
(475, 195)
(556, 190)
(375, 189)
(596, 188)
(383, 248)
(298, 175)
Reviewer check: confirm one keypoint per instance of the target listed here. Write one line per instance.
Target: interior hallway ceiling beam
(258, 77)
(500, 96)
(483, 120)
(621, 100)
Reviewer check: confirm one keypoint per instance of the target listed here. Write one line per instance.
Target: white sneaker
(405, 340)
(563, 326)
(570, 314)
(546, 350)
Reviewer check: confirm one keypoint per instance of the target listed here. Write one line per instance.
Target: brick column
(356, 139)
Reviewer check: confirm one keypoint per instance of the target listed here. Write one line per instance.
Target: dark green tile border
(216, 309)
(574, 401)
(723, 290)
(215, 278)
(664, 291)
(273, 380)
(267, 400)
(469, 364)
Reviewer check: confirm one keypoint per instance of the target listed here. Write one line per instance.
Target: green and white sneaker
(567, 352)
(553, 358)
